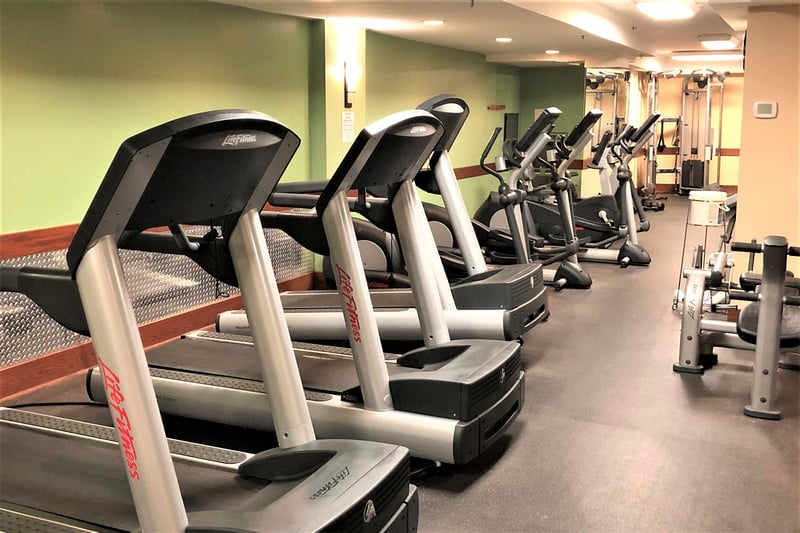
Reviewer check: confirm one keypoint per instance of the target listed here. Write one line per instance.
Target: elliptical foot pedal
(760, 413)
(790, 361)
(688, 369)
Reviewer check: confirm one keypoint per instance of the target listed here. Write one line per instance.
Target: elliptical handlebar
(485, 154)
(600, 149)
(645, 127)
(572, 153)
(583, 126)
(543, 123)
(625, 134)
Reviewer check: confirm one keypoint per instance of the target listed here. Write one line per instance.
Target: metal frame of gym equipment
(775, 333)
(652, 107)
(594, 85)
(697, 105)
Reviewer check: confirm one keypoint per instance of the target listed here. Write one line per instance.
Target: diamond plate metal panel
(160, 286)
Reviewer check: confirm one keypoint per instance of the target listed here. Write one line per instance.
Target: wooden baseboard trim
(36, 372)
(668, 188)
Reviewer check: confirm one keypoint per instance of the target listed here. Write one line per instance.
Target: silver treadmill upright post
(359, 315)
(459, 218)
(131, 398)
(420, 229)
(262, 303)
(416, 243)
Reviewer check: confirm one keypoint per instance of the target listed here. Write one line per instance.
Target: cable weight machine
(656, 146)
(702, 94)
(599, 85)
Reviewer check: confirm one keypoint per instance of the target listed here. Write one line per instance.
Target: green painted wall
(316, 102)
(80, 77)
(94, 73)
(562, 87)
(401, 74)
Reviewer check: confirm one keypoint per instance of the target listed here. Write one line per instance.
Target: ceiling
(603, 34)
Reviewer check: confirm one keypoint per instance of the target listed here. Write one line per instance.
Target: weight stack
(692, 174)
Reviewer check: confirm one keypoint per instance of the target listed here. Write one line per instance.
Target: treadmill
(500, 304)
(65, 475)
(448, 401)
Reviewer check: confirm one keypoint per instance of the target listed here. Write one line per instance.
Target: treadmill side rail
(439, 439)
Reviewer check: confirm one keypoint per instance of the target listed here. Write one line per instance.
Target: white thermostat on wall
(765, 109)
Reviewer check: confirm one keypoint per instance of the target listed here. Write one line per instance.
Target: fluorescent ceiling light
(707, 57)
(667, 9)
(503, 39)
(433, 22)
(552, 52)
(720, 41)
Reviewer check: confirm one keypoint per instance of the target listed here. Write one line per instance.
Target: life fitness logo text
(235, 139)
(116, 400)
(346, 287)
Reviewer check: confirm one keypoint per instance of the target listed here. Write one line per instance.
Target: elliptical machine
(566, 149)
(619, 156)
(596, 218)
(598, 221)
(512, 198)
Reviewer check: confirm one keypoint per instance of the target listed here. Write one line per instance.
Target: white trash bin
(707, 208)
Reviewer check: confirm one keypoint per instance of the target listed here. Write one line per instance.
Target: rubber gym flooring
(610, 439)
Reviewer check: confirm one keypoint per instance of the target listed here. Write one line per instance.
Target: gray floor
(610, 438)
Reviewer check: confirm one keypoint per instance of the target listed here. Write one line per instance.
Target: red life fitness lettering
(346, 288)
(123, 423)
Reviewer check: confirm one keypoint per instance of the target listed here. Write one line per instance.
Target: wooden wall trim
(36, 241)
(669, 188)
(720, 152)
(471, 171)
(26, 375)
(42, 240)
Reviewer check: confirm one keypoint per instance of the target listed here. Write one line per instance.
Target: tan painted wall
(769, 173)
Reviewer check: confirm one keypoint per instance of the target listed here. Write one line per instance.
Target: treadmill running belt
(320, 371)
(86, 481)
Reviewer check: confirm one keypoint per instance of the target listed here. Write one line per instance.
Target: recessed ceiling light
(433, 22)
(719, 41)
(552, 52)
(668, 9)
(503, 39)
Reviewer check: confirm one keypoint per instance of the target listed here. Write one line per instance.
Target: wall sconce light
(348, 94)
